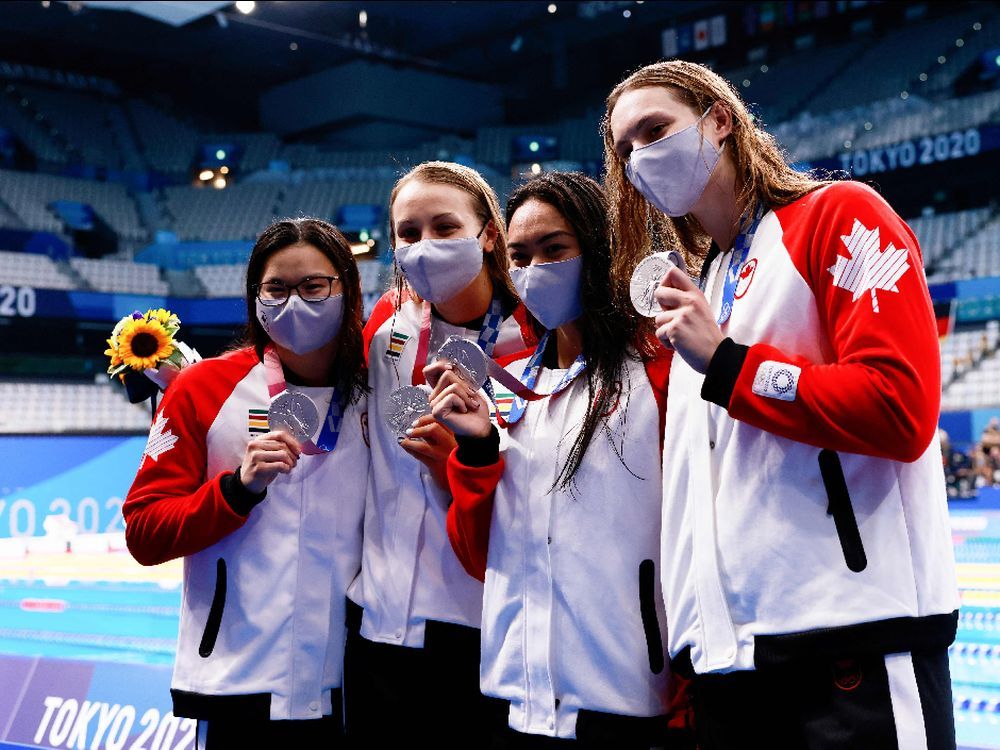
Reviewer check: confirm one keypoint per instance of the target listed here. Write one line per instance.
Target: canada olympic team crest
(746, 277)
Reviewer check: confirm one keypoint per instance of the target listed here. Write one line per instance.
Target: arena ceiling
(521, 46)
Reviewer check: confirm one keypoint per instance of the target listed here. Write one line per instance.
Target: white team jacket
(263, 611)
(409, 573)
(807, 514)
(573, 617)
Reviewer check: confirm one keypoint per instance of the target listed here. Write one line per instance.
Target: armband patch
(778, 380)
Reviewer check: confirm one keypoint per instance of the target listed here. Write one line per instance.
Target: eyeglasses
(310, 289)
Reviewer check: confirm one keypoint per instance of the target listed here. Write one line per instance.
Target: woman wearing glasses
(255, 473)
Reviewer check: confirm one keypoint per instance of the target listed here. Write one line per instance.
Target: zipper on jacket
(214, 621)
(650, 620)
(842, 511)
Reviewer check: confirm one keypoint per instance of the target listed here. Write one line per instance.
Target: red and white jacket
(573, 619)
(263, 611)
(409, 574)
(804, 507)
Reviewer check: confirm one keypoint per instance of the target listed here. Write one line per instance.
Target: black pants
(241, 733)
(395, 694)
(615, 733)
(879, 702)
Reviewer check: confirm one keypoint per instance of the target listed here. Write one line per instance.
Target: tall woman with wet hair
(563, 523)
(255, 474)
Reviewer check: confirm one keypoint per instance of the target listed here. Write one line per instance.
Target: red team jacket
(265, 581)
(804, 507)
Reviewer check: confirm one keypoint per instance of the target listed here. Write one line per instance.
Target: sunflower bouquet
(144, 344)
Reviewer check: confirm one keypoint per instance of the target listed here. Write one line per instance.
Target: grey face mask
(551, 291)
(302, 326)
(672, 172)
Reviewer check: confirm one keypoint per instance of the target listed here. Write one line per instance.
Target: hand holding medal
(267, 456)
(455, 400)
(686, 323)
(646, 279)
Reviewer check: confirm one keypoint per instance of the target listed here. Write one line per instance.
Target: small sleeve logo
(778, 380)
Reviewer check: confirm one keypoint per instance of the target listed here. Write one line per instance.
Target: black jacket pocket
(650, 620)
(842, 511)
(214, 621)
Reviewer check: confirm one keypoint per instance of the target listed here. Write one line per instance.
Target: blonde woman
(808, 572)
(413, 662)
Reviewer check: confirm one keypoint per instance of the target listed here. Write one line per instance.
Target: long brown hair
(763, 175)
(485, 204)
(352, 376)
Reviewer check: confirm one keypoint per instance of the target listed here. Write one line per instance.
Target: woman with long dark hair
(255, 473)
(563, 523)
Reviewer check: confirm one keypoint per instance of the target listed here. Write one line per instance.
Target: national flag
(701, 34)
(668, 43)
(257, 421)
(397, 341)
(944, 314)
(504, 400)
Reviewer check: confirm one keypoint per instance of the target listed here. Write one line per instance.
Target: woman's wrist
(239, 497)
(479, 451)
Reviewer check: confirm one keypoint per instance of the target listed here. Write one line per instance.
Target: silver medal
(467, 357)
(646, 278)
(405, 405)
(294, 413)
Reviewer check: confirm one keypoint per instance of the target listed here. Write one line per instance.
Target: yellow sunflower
(112, 352)
(160, 315)
(144, 343)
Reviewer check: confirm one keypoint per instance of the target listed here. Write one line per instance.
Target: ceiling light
(246, 6)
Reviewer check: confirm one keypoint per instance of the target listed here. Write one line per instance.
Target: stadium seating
(237, 213)
(978, 255)
(167, 143)
(83, 120)
(30, 269)
(121, 276)
(27, 407)
(17, 117)
(222, 280)
(29, 195)
(899, 57)
(941, 233)
(970, 368)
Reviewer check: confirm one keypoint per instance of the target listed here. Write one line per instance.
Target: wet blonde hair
(763, 175)
(485, 204)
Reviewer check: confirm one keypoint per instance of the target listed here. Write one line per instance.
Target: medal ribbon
(741, 249)
(488, 335)
(276, 385)
(524, 389)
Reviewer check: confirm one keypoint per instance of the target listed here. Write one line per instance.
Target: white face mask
(672, 172)
(438, 270)
(302, 326)
(551, 291)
